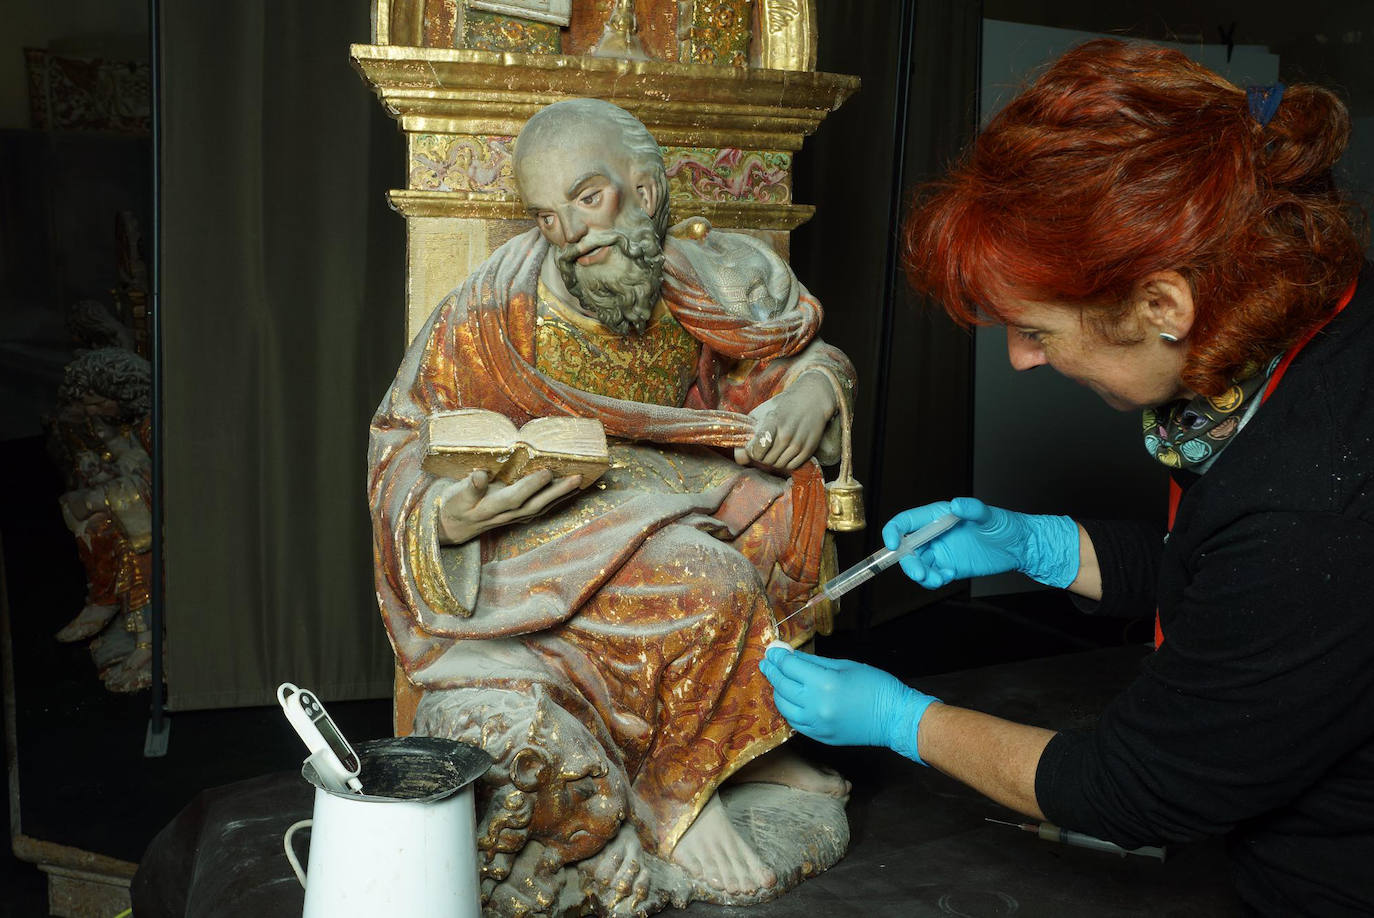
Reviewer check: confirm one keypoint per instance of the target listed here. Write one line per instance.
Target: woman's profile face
(1143, 372)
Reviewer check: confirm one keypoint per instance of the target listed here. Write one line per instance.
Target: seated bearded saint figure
(603, 643)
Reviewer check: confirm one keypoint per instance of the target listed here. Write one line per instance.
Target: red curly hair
(1124, 159)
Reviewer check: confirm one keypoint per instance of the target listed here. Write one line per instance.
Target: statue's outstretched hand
(790, 425)
(474, 504)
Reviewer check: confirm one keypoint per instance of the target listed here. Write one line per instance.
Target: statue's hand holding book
(493, 473)
(457, 443)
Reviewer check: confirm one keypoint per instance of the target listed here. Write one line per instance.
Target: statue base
(797, 833)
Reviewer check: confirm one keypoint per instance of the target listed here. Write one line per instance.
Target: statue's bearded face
(590, 204)
(615, 273)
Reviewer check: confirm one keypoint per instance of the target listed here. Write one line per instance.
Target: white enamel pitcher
(406, 845)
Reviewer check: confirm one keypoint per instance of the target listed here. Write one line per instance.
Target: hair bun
(1308, 134)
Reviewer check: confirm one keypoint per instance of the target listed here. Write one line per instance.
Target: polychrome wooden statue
(602, 640)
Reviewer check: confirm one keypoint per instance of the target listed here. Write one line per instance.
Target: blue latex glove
(989, 541)
(844, 703)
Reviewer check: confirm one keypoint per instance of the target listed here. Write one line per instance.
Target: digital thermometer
(334, 760)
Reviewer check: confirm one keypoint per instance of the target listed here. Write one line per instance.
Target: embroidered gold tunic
(655, 367)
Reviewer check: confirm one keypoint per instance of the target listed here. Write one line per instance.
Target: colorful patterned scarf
(1189, 434)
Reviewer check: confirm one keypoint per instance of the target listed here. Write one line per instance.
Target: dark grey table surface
(920, 844)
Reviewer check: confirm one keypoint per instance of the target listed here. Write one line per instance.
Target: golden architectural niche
(571, 822)
(728, 132)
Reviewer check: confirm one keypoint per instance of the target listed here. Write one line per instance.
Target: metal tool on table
(1050, 832)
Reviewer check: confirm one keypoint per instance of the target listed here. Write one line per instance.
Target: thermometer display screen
(337, 743)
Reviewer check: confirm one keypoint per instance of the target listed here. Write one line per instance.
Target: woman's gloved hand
(988, 541)
(844, 703)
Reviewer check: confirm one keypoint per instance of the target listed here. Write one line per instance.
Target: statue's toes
(608, 866)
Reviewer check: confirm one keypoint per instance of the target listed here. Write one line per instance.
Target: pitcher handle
(291, 852)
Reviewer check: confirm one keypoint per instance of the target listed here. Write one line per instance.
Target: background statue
(603, 642)
(101, 434)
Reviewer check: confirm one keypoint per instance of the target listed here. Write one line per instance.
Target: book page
(565, 436)
(457, 443)
(468, 428)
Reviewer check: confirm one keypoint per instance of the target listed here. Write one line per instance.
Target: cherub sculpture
(628, 617)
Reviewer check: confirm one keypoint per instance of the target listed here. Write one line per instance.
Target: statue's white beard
(621, 290)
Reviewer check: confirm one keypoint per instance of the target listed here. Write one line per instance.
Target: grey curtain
(918, 106)
(282, 321)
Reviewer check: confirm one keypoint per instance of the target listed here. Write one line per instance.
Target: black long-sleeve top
(1255, 718)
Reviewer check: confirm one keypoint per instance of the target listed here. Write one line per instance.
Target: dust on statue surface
(602, 642)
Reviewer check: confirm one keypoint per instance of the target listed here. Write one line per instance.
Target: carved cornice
(690, 105)
(726, 215)
(410, 203)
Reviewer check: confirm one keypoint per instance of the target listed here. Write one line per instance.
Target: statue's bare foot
(621, 874)
(133, 674)
(783, 766)
(714, 853)
(88, 623)
(111, 647)
(534, 884)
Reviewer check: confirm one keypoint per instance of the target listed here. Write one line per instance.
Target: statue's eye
(546, 220)
(591, 199)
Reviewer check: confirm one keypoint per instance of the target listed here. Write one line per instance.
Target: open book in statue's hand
(457, 443)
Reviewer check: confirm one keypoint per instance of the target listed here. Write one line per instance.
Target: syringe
(879, 561)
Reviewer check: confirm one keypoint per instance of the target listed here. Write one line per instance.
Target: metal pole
(155, 742)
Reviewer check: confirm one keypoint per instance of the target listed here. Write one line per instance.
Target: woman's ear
(1164, 304)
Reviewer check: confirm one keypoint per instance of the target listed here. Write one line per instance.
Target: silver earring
(1172, 339)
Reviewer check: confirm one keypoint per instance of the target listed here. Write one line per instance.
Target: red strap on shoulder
(1176, 493)
(1175, 496)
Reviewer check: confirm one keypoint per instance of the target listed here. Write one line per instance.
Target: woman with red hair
(1176, 244)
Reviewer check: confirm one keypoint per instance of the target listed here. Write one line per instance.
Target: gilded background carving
(719, 33)
(494, 32)
(729, 174)
(657, 21)
(449, 162)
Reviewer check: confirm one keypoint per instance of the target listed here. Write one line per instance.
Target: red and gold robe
(644, 603)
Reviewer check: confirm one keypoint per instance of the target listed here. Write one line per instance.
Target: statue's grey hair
(114, 373)
(553, 124)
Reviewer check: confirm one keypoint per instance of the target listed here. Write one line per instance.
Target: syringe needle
(814, 600)
(1014, 825)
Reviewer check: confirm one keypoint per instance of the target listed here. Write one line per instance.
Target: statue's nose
(574, 227)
